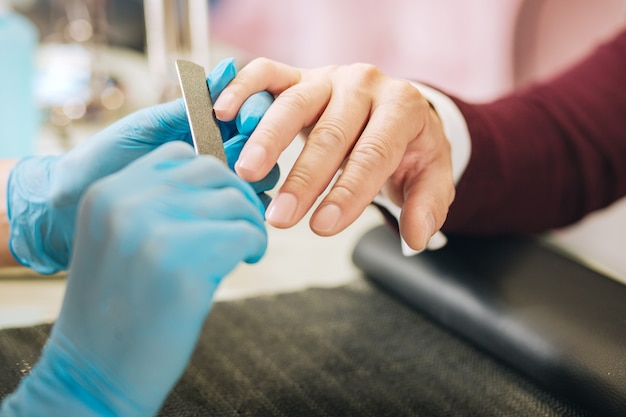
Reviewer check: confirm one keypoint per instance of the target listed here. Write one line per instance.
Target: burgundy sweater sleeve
(545, 156)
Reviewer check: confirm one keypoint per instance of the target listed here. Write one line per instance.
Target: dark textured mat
(548, 316)
(348, 351)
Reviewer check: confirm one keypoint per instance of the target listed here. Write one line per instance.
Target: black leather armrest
(551, 318)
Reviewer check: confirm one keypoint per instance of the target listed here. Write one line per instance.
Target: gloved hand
(153, 242)
(239, 130)
(43, 192)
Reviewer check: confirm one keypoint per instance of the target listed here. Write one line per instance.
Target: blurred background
(99, 59)
(93, 64)
(71, 67)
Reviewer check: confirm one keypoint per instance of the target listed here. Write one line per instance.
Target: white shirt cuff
(455, 129)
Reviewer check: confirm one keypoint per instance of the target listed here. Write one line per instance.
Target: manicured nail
(282, 209)
(429, 229)
(326, 218)
(251, 159)
(224, 102)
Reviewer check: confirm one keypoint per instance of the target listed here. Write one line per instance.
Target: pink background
(477, 49)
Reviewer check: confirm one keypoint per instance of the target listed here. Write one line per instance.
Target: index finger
(260, 74)
(298, 104)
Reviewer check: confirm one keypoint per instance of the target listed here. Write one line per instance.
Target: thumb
(166, 121)
(425, 207)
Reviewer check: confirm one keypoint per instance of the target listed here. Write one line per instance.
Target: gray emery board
(205, 132)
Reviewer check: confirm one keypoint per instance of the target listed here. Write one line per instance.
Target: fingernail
(429, 229)
(326, 218)
(282, 209)
(224, 102)
(251, 159)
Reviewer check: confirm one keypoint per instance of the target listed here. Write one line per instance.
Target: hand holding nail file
(146, 203)
(224, 140)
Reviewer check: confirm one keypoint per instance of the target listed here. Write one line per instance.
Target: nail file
(205, 132)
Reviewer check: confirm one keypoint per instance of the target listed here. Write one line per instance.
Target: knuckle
(294, 99)
(97, 196)
(240, 85)
(375, 151)
(261, 63)
(235, 197)
(240, 231)
(347, 189)
(330, 133)
(253, 239)
(266, 68)
(321, 72)
(269, 136)
(406, 98)
(247, 231)
(364, 73)
(406, 91)
(101, 208)
(299, 179)
(125, 218)
(230, 196)
(400, 99)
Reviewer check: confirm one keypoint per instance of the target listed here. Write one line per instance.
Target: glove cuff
(65, 382)
(31, 217)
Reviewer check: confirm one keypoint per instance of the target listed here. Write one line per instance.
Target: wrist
(6, 257)
(65, 382)
(33, 238)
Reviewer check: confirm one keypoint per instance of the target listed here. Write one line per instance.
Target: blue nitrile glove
(153, 241)
(43, 192)
(236, 132)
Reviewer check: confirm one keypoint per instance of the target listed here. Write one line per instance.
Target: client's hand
(375, 130)
(152, 244)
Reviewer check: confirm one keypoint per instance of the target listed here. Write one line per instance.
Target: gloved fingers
(121, 143)
(252, 110)
(268, 182)
(203, 171)
(220, 204)
(209, 249)
(217, 80)
(154, 125)
(241, 240)
(216, 247)
(227, 129)
(206, 172)
(265, 198)
(219, 77)
(170, 151)
(255, 241)
(294, 109)
(116, 146)
(233, 147)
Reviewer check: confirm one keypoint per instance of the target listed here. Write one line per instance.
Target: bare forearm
(6, 258)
